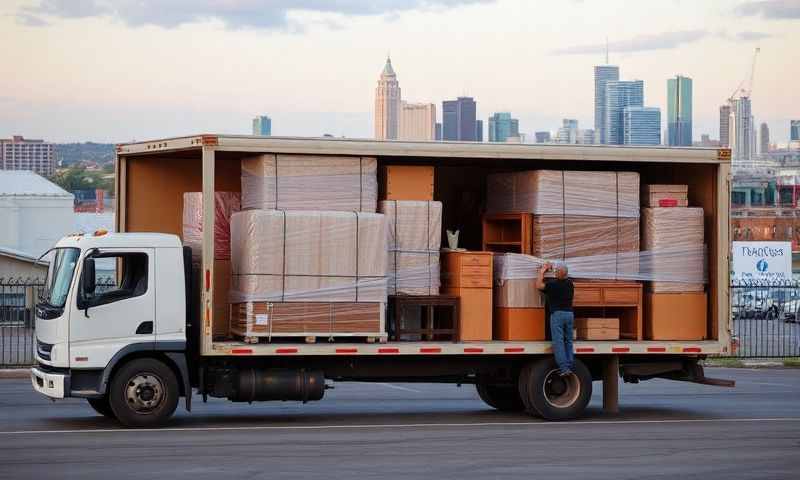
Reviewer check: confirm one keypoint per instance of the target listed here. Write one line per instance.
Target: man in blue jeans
(558, 293)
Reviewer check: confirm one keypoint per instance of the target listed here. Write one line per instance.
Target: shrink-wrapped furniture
(225, 204)
(414, 239)
(308, 182)
(657, 195)
(675, 256)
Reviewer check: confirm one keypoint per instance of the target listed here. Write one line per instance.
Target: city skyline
(195, 92)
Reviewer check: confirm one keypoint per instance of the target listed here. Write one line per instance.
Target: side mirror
(88, 279)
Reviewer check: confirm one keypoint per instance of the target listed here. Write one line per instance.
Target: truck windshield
(59, 276)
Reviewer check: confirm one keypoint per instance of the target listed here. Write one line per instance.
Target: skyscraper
(724, 126)
(763, 139)
(458, 119)
(641, 126)
(568, 133)
(620, 94)
(502, 126)
(438, 130)
(478, 130)
(602, 75)
(679, 111)
(741, 134)
(262, 125)
(794, 130)
(418, 121)
(387, 104)
(542, 137)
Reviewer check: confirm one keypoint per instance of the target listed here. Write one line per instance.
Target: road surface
(665, 430)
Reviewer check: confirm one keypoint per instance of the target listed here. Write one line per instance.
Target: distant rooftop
(28, 183)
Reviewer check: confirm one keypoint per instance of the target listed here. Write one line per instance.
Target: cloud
(751, 36)
(770, 9)
(266, 14)
(639, 43)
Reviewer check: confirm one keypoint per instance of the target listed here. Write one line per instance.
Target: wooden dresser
(616, 299)
(468, 275)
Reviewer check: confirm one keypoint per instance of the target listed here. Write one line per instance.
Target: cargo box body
(153, 178)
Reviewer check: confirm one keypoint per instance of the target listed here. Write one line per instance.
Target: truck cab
(112, 301)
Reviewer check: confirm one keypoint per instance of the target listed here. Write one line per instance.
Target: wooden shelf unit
(508, 232)
(619, 299)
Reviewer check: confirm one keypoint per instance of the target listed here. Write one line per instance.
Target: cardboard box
(673, 241)
(675, 316)
(597, 328)
(309, 182)
(519, 324)
(305, 256)
(653, 194)
(415, 238)
(407, 182)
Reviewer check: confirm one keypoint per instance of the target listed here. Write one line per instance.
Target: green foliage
(78, 178)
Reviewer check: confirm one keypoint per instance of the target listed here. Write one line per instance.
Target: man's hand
(545, 267)
(540, 278)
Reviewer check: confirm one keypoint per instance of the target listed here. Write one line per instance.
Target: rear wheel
(552, 396)
(144, 393)
(505, 398)
(102, 406)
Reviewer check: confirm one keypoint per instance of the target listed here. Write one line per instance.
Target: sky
(122, 70)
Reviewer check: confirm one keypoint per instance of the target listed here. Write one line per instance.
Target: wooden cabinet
(468, 275)
(612, 299)
(508, 232)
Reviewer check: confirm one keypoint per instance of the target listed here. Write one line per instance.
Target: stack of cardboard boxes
(674, 256)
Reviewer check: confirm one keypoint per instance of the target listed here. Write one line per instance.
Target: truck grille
(43, 349)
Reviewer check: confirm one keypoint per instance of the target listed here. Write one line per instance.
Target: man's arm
(540, 277)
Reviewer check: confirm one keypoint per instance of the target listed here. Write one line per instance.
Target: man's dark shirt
(559, 294)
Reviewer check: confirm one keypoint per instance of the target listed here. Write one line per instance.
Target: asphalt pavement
(664, 430)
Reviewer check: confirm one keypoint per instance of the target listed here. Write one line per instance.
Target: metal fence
(765, 320)
(17, 320)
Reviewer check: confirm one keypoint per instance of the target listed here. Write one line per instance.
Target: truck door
(120, 311)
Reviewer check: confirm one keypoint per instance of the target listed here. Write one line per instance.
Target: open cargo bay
(154, 176)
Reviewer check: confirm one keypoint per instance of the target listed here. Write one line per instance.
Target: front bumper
(53, 385)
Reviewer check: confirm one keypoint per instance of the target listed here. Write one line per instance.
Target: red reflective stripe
(656, 349)
(473, 350)
(346, 350)
(620, 349)
(242, 351)
(692, 349)
(514, 349)
(388, 350)
(81, 359)
(584, 349)
(430, 350)
(286, 350)
(208, 279)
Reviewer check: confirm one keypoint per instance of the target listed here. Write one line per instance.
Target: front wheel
(102, 406)
(144, 393)
(552, 396)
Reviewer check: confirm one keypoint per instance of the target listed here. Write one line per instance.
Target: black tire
(524, 375)
(554, 397)
(102, 406)
(144, 393)
(505, 398)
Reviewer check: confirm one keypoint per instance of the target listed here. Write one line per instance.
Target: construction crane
(748, 90)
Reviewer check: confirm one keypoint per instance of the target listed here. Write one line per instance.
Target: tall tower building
(763, 139)
(602, 75)
(725, 126)
(620, 94)
(387, 104)
(568, 133)
(679, 111)
(502, 126)
(458, 119)
(641, 126)
(262, 125)
(794, 130)
(741, 133)
(18, 153)
(418, 121)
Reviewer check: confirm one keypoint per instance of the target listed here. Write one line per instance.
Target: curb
(15, 373)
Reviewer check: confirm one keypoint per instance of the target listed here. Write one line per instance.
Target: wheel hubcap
(561, 392)
(144, 392)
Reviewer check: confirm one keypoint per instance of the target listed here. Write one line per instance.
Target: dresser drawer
(475, 281)
(468, 260)
(621, 296)
(588, 296)
(476, 271)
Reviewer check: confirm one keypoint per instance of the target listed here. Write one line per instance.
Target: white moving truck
(132, 349)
